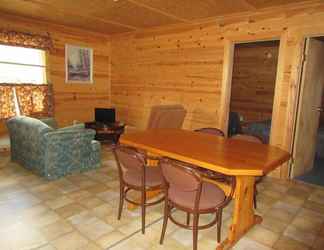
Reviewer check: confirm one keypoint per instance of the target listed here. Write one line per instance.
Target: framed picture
(79, 64)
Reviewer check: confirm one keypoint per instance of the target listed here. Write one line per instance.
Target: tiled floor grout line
(134, 233)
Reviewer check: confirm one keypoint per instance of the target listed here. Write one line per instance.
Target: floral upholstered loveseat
(51, 152)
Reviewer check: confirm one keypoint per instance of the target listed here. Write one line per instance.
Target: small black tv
(105, 115)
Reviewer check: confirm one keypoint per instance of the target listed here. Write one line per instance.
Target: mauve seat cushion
(211, 196)
(153, 177)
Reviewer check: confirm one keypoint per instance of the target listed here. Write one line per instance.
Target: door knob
(320, 109)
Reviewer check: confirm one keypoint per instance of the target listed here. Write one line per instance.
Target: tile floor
(79, 212)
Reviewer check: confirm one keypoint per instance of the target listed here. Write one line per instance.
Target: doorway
(253, 86)
(308, 145)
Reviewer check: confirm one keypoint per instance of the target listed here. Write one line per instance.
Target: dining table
(243, 159)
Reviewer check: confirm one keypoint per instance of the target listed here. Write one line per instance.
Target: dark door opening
(253, 86)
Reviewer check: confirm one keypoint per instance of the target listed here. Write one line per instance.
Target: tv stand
(107, 131)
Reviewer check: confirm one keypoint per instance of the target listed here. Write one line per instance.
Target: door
(309, 101)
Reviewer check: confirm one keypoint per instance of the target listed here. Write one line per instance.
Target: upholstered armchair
(166, 116)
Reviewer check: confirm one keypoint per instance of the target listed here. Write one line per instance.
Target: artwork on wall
(79, 64)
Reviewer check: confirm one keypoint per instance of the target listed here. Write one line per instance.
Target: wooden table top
(228, 156)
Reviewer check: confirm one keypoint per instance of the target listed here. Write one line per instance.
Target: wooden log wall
(254, 80)
(72, 101)
(185, 65)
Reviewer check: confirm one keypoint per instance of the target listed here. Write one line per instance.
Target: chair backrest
(212, 131)
(128, 159)
(183, 177)
(166, 116)
(179, 176)
(250, 138)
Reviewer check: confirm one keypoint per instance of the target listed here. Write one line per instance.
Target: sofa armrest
(69, 151)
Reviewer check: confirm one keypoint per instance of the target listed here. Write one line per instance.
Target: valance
(27, 40)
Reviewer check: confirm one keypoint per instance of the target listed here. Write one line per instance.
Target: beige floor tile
(56, 230)
(91, 202)
(274, 225)
(86, 184)
(43, 219)
(308, 224)
(248, 244)
(71, 241)
(104, 211)
(314, 206)
(109, 239)
(59, 202)
(46, 247)
(263, 235)
(295, 201)
(98, 188)
(280, 215)
(170, 243)
(130, 227)
(93, 228)
(35, 211)
(81, 218)
(183, 236)
(79, 195)
(287, 243)
(70, 210)
(21, 236)
(317, 196)
(304, 237)
(283, 205)
(108, 196)
(90, 246)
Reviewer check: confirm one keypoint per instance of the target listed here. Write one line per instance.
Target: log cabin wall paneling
(254, 79)
(72, 101)
(185, 65)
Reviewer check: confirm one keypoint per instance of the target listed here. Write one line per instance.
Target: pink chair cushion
(211, 196)
(153, 177)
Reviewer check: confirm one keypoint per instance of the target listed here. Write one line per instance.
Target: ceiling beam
(159, 11)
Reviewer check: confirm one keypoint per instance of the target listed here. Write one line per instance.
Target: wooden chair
(212, 131)
(251, 138)
(244, 137)
(134, 175)
(186, 190)
(213, 175)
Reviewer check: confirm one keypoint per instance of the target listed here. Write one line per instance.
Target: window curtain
(7, 105)
(32, 100)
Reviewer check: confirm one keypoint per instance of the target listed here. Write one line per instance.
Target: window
(23, 87)
(22, 65)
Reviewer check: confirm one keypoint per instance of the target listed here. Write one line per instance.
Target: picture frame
(78, 64)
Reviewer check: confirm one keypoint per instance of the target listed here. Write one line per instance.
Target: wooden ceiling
(117, 16)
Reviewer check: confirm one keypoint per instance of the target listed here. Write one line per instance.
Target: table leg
(243, 213)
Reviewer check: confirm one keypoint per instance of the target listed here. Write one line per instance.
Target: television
(105, 115)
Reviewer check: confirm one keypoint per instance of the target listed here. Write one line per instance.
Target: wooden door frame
(227, 77)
